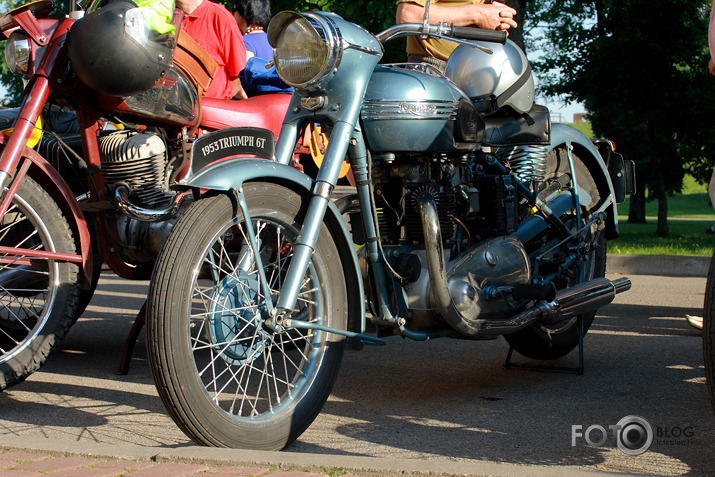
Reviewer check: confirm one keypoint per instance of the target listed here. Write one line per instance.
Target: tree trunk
(658, 179)
(663, 230)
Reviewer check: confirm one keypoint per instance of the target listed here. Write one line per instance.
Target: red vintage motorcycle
(98, 191)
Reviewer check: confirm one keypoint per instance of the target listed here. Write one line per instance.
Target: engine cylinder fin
(444, 199)
(138, 160)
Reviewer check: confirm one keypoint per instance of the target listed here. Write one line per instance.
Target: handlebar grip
(469, 33)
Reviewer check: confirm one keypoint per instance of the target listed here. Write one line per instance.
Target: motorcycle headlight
(306, 48)
(18, 54)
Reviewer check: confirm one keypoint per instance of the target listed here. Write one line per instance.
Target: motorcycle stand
(131, 339)
(578, 370)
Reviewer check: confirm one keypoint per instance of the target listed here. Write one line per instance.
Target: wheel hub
(235, 320)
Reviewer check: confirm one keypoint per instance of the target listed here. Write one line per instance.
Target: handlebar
(469, 33)
(442, 30)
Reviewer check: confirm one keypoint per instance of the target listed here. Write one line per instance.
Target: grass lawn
(687, 237)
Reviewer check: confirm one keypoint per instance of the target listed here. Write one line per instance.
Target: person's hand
(495, 16)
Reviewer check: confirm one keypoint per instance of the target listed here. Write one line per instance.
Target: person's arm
(238, 92)
(490, 16)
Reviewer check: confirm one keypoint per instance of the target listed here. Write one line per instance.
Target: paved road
(443, 401)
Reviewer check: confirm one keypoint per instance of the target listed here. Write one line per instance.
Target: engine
(472, 205)
(138, 160)
(478, 213)
(140, 165)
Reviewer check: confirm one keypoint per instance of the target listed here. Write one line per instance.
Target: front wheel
(225, 377)
(38, 296)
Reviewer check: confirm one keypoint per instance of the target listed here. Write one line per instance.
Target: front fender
(231, 174)
(565, 135)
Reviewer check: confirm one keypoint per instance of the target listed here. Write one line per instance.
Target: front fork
(344, 138)
(341, 138)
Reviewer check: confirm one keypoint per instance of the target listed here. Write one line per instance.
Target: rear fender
(230, 175)
(563, 135)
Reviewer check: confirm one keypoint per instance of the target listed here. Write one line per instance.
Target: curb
(662, 265)
(282, 461)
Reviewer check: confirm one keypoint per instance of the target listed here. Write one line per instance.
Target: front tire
(225, 378)
(38, 297)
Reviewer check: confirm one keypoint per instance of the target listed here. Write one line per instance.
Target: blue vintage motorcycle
(471, 216)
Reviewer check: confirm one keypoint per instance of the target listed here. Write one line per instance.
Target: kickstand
(579, 370)
(131, 339)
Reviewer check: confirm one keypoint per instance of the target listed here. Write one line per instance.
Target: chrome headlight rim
(324, 29)
(18, 54)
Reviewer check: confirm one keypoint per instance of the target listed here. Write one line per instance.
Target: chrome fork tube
(305, 244)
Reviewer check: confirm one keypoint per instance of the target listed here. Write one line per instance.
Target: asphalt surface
(444, 407)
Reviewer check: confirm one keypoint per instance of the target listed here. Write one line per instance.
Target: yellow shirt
(434, 47)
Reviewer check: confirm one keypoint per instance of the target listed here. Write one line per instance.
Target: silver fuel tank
(407, 110)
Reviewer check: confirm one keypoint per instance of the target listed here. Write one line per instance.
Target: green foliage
(687, 237)
(690, 214)
(640, 68)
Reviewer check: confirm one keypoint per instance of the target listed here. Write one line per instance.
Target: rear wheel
(554, 340)
(226, 378)
(38, 296)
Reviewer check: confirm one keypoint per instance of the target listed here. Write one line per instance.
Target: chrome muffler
(569, 303)
(462, 313)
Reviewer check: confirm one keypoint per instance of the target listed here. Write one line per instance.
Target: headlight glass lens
(18, 54)
(300, 54)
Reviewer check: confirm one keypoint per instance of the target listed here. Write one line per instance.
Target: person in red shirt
(215, 29)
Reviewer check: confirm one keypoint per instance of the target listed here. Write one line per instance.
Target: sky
(561, 112)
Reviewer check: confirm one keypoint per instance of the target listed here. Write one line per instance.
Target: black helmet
(121, 50)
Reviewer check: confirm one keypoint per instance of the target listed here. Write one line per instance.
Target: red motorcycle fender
(232, 173)
(50, 180)
(562, 134)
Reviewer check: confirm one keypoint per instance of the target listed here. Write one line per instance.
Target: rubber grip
(469, 33)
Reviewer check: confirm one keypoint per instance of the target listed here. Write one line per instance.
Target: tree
(640, 68)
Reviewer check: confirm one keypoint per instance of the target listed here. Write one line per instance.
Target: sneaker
(711, 230)
(695, 321)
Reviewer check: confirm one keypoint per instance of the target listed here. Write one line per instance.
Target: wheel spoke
(244, 360)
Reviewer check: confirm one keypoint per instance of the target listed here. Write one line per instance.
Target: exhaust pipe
(464, 316)
(569, 303)
(122, 203)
